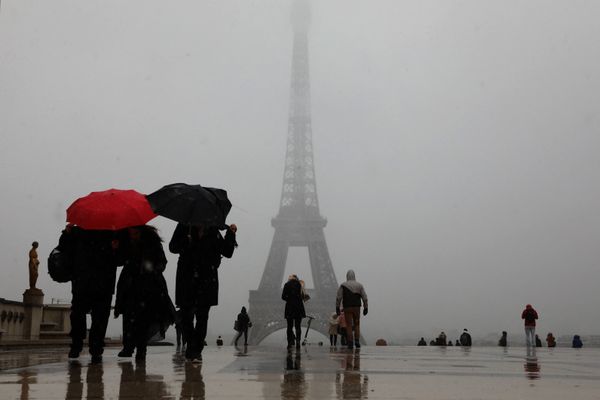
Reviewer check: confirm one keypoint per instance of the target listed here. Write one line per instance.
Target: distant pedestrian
(432, 343)
(465, 338)
(538, 341)
(577, 343)
(219, 341)
(529, 315)
(351, 294)
(342, 328)
(457, 343)
(422, 342)
(294, 310)
(503, 342)
(334, 322)
(450, 343)
(243, 323)
(179, 331)
(551, 340)
(441, 339)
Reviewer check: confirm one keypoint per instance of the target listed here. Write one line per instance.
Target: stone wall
(32, 320)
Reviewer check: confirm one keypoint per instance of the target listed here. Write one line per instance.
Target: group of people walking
(350, 297)
(142, 298)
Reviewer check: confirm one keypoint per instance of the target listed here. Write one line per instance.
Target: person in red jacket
(529, 315)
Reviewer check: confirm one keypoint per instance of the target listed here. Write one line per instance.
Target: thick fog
(456, 144)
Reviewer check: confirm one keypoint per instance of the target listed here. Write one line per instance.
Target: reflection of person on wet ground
(550, 340)
(136, 383)
(354, 384)
(243, 323)
(294, 310)
(503, 342)
(193, 386)
(422, 342)
(532, 367)
(351, 295)
(27, 377)
(529, 315)
(577, 342)
(94, 381)
(294, 384)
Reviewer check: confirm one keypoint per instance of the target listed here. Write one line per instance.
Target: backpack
(60, 265)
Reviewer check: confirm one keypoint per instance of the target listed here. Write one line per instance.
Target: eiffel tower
(299, 222)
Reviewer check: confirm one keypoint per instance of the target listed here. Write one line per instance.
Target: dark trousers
(135, 332)
(99, 307)
(294, 323)
(239, 335)
(194, 335)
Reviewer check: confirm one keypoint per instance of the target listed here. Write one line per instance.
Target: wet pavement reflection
(350, 383)
(532, 366)
(312, 373)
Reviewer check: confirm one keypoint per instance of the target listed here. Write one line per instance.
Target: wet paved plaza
(311, 373)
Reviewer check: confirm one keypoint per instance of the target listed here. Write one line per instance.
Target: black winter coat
(292, 295)
(197, 282)
(94, 260)
(142, 292)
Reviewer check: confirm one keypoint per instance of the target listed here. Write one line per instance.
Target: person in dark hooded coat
(142, 294)
(95, 255)
(294, 309)
(200, 251)
(243, 323)
(351, 294)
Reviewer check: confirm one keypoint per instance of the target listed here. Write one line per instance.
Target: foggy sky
(456, 143)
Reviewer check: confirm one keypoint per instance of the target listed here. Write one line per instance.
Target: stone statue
(33, 265)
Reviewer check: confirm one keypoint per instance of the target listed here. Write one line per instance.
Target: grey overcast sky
(456, 143)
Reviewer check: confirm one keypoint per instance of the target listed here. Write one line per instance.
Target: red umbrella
(111, 209)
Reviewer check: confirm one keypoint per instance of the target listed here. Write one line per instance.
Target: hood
(350, 276)
(243, 310)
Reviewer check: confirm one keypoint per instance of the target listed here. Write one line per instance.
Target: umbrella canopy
(191, 204)
(111, 209)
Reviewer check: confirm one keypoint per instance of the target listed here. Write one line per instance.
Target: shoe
(140, 356)
(125, 353)
(357, 344)
(73, 353)
(197, 359)
(96, 359)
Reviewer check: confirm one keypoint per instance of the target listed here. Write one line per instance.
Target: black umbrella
(191, 204)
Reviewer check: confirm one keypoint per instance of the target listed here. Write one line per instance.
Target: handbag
(236, 325)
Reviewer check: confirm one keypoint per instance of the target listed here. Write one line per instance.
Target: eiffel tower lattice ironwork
(299, 222)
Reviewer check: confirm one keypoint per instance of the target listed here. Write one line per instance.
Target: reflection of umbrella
(191, 204)
(111, 209)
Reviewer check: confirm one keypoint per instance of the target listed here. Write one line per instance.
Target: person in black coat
(95, 255)
(243, 323)
(294, 309)
(200, 251)
(142, 294)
